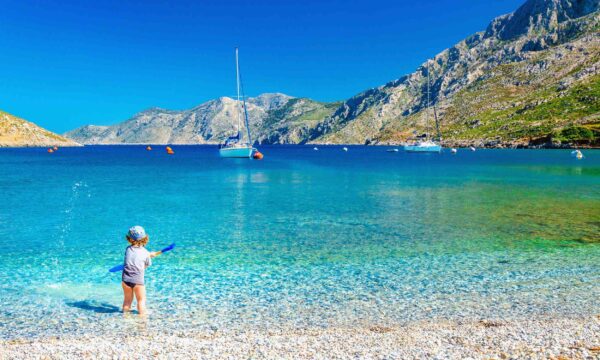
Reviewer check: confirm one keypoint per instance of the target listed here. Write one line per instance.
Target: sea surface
(303, 238)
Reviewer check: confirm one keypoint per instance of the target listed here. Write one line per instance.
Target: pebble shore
(561, 338)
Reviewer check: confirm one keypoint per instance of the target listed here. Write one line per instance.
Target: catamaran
(428, 144)
(235, 146)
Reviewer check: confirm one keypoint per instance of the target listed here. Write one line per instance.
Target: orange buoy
(50, 150)
(148, 148)
(257, 155)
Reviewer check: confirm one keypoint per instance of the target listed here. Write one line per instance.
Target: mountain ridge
(519, 82)
(207, 123)
(392, 112)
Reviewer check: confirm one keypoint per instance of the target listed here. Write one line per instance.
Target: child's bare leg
(127, 297)
(140, 296)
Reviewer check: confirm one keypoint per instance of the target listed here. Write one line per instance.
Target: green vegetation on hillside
(575, 134)
(300, 110)
(539, 87)
(292, 122)
(533, 114)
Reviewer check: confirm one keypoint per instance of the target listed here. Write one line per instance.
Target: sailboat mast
(435, 118)
(428, 102)
(246, 122)
(237, 78)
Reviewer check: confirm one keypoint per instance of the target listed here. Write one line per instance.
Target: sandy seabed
(549, 338)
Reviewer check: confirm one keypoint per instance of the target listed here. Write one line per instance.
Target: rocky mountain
(532, 77)
(293, 122)
(16, 132)
(212, 122)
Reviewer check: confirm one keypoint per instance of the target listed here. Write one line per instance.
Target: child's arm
(156, 253)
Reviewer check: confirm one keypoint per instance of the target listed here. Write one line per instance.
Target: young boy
(137, 259)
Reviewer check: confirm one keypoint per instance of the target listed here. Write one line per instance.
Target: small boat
(428, 144)
(345, 148)
(315, 148)
(392, 150)
(423, 146)
(453, 150)
(235, 146)
(232, 151)
(472, 148)
(577, 153)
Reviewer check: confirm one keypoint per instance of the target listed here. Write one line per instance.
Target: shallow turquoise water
(302, 238)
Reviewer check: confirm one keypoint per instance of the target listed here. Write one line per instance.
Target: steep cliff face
(16, 132)
(539, 16)
(545, 50)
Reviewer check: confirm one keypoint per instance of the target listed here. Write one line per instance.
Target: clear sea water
(300, 239)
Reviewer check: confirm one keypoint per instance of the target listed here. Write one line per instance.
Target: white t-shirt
(137, 259)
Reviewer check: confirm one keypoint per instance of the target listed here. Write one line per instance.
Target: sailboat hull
(423, 148)
(236, 152)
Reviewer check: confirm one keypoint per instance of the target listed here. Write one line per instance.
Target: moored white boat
(237, 152)
(428, 144)
(235, 146)
(423, 146)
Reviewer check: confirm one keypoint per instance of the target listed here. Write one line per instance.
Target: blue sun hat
(136, 233)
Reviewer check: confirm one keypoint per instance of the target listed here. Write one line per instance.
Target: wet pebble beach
(549, 338)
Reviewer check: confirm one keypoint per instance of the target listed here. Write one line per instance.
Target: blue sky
(68, 63)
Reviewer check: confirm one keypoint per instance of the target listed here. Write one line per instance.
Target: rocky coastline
(479, 144)
(483, 144)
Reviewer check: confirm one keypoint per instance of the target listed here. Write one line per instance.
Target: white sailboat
(428, 144)
(235, 146)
